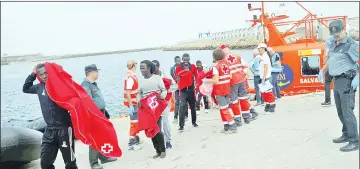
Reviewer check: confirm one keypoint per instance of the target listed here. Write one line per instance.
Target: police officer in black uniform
(342, 57)
(59, 132)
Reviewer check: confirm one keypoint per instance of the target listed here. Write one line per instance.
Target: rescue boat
(301, 59)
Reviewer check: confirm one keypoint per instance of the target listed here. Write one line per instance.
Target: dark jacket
(172, 71)
(54, 115)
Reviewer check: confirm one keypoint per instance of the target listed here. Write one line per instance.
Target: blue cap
(91, 68)
(335, 27)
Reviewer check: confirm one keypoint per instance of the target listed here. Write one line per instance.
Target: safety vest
(133, 92)
(222, 88)
(236, 69)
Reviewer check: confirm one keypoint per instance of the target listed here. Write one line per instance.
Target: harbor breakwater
(247, 40)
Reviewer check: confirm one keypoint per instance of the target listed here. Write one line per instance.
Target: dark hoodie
(54, 115)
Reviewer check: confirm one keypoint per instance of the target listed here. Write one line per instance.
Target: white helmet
(262, 45)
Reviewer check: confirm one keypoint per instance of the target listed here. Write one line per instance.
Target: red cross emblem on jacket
(231, 59)
(225, 69)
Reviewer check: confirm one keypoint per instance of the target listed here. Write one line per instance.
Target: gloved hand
(321, 76)
(355, 82)
(131, 110)
(262, 81)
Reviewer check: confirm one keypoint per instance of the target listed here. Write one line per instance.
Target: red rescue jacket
(89, 123)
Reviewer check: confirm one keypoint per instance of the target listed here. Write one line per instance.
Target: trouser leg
(191, 100)
(177, 104)
(68, 152)
(183, 107)
(328, 79)
(339, 111)
(274, 81)
(269, 100)
(93, 156)
(198, 100)
(257, 90)
(234, 103)
(206, 102)
(245, 105)
(158, 139)
(49, 149)
(226, 116)
(166, 128)
(346, 96)
(134, 127)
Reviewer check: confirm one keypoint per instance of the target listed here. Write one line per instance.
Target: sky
(58, 28)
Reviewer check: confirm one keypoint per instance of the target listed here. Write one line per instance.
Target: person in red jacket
(185, 75)
(200, 76)
(238, 97)
(222, 90)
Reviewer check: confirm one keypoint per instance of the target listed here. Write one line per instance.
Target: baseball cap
(262, 45)
(91, 68)
(335, 27)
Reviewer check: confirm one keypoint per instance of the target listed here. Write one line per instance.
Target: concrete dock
(298, 136)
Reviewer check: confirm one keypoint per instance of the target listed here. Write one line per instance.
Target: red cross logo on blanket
(107, 148)
(153, 104)
(230, 59)
(225, 69)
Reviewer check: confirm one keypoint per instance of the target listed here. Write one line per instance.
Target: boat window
(310, 65)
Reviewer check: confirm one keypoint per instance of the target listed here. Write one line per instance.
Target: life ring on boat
(19, 146)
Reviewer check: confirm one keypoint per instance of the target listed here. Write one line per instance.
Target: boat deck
(298, 136)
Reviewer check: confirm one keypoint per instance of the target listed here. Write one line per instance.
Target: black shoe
(157, 155)
(254, 114)
(108, 160)
(350, 147)
(238, 121)
(326, 103)
(181, 129)
(272, 108)
(247, 120)
(267, 107)
(341, 139)
(195, 125)
(96, 166)
(137, 138)
(162, 154)
(168, 145)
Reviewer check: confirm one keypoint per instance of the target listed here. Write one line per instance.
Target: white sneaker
(135, 147)
(206, 111)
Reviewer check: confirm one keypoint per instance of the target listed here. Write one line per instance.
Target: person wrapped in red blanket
(152, 94)
(90, 124)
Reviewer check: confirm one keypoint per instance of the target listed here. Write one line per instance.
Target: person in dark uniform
(94, 92)
(59, 132)
(185, 83)
(177, 61)
(328, 78)
(342, 57)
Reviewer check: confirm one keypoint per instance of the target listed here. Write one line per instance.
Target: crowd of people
(225, 82)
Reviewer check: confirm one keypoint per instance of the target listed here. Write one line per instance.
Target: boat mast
(262, 20)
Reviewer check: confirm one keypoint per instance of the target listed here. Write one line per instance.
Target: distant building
(253, 32)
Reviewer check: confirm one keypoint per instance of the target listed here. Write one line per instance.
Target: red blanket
(167, 83)
(149, 113)
(90, 125)
(209, 75)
